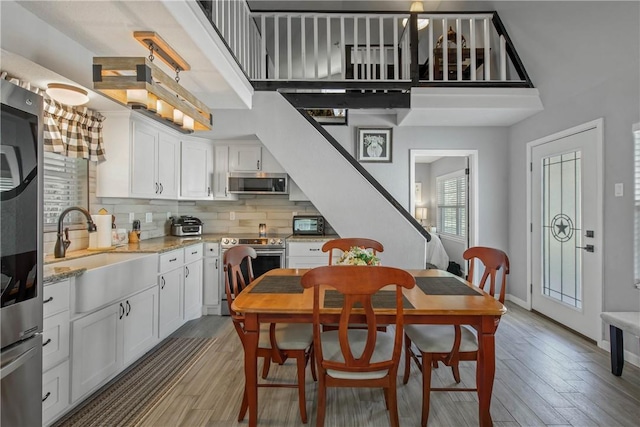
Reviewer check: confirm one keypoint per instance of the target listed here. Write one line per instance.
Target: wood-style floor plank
(545, 375)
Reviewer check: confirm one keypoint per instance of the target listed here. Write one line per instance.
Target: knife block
(134, 237)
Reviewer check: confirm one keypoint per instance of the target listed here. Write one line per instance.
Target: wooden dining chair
(276, 342)
(349, 242)
(357, 357)
(450, 344)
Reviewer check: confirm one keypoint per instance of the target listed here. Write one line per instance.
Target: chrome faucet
(62, 244)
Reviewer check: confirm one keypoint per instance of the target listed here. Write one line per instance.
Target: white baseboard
(629, 357)
(522, 303)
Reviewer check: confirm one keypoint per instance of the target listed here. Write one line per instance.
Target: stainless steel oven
(20, 255)
(270, 253)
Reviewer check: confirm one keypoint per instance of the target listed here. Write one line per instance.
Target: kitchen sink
(111, 277)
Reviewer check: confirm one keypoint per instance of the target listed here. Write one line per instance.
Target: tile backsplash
(248, 211)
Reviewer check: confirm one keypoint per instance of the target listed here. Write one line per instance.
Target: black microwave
(308, 225)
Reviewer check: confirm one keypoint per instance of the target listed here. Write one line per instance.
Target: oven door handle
(16, 362)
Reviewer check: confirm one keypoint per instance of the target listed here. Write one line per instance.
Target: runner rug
(128, 397)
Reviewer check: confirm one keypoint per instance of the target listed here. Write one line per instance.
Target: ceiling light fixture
(141, 85)
(67, 94)
(417, 7)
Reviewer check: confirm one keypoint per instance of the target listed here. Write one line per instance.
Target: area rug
(128, 398)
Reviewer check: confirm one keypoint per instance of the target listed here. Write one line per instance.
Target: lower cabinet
(193, 290)
(171, 305)
(306, 254)
(55, 391)
(106, 341)
(211, 278)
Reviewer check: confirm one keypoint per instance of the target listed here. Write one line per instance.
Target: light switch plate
(619, 189)
(232, 216)
(148, 217)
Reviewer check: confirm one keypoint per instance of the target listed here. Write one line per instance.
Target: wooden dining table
(438, 298)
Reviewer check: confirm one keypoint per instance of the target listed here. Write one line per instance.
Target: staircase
(352, 204)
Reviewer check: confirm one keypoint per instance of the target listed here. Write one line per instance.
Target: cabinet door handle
(161, 188)
(46, 396)
(216, 263)
(314, 249)
(208, 191)
(121, 310)
(128, 308)
(193, 253)
(156, 188)
(163, 283)
(225, 191)
(187, 269)
(46, 342)
(258, 164)
(47, 300)
(173, 259)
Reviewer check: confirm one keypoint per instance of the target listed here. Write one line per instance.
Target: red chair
(349, 242)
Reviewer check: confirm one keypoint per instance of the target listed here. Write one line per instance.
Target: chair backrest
(349, 242)
(234, 280)
(493, 260)
(357, 284)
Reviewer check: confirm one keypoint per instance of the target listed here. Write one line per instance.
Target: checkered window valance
(73, 132)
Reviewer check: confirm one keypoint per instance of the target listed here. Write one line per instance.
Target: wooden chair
(357, 357)
(349, 242)
(277, 342)
(450, 344)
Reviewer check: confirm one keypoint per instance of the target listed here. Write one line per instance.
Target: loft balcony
(435, 68)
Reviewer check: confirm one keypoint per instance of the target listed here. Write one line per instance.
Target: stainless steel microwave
(258, 183)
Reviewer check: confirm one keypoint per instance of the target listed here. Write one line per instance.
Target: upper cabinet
(245, 158)
(147, 160)
(154, 165)
(197, 170)
(142, 160)
(221, 169)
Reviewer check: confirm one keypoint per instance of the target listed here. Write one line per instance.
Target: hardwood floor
(545, 375)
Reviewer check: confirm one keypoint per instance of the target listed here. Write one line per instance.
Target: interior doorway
(426, 166)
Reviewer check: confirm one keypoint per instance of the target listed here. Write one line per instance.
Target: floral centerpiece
(358, 256)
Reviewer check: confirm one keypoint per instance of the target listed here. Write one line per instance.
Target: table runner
(381, 299)
(279, 285)
(444, 286)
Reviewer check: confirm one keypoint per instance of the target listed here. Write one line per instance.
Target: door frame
(598, 125)
(472, 155)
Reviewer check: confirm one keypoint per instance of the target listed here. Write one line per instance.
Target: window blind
(452, 204)
(637, 208)
(66, 183)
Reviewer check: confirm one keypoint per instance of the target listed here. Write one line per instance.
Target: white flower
(358, 256)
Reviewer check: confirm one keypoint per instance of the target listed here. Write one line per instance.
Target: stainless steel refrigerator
(21, 256)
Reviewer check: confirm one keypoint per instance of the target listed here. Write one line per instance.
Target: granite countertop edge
(158, 245)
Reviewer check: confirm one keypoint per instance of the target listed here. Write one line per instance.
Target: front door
(566, 229)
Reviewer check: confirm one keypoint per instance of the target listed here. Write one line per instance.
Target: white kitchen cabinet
(220, 171)
(245, 158)
(55, 349)
(196, 170)
(106, 341)
(143, 159)
(193, 290)
(211, 281)
(55, 392)
(154, 163)
(306, 254)
(171, 305)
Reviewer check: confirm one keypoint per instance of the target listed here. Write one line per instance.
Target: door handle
(258, 164)
(588, 248)
(46, 396)
(216, 263)
(156, 188)
(187, 269)
(47, 300)
(121, 310)
(208, 191)
(46, 342)
(163, 283)
(161, 188)
(128, 308)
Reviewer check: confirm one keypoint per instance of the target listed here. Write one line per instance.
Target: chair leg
(392, 404)
(322, 402)
(407, 359)
(243, 406)
(386, 398)
(301, 362)
(426, 387)
(265, 367)
(456, 372)
(312, 361)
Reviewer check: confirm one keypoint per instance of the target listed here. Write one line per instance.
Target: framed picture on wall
(373, 145)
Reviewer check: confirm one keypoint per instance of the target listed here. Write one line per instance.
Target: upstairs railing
(349, 49)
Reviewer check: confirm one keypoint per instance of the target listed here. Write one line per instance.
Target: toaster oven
(308, 225)
(186, 226)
